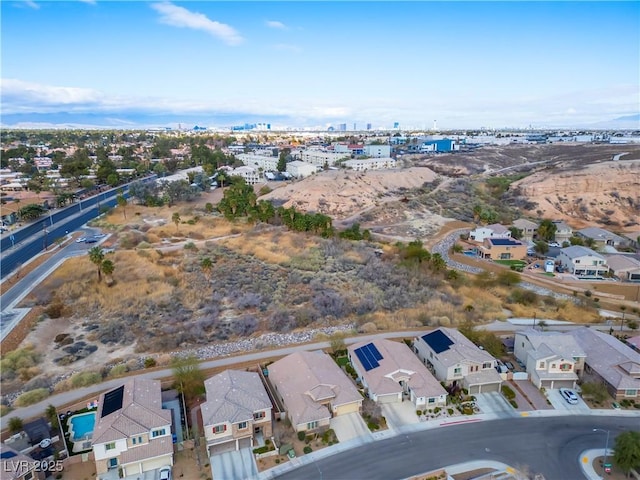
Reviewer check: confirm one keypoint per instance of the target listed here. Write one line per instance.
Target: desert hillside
(342, 193)
(606, 194)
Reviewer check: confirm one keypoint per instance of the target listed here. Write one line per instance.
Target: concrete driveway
(559, 403)
(399, 414)
(235, 465)
(350, 426)
(493, 402)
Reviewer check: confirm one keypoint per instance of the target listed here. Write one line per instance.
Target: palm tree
(108, 267)
(175, 218)
(96, 256)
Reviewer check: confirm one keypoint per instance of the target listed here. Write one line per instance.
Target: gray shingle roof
(577, 251)
(233, 396)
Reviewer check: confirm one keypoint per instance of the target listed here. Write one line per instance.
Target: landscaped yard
(512, 263)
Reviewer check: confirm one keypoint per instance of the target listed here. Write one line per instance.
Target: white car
(81, 240)
(569, 396)
(554, 244)
(165, 473)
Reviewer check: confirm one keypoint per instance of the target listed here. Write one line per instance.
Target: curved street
(550, 446)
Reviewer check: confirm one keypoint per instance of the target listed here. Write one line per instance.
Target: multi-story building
(390, 372)
(495, 230)
(299, 169)
(132, 431)
(377, 151)
(370, 163)
(582, 261)
(502, 249)
(237, 410)
(267, 163)
(319, 158)
(251, 175)
(528, 228)
(457, 361)
(552, 359)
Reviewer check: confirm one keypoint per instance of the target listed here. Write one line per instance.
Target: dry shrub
(368, 327)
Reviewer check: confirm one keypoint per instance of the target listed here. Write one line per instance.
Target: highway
(550, 446)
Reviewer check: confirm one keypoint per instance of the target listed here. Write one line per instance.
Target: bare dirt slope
(341, 193)
(606, 194)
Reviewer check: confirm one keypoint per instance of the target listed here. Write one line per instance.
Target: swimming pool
(80, 426)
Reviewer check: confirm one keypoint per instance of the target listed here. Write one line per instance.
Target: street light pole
(606, 448)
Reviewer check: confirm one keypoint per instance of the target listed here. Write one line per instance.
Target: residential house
(363, 164)
(237, 409)
(313, 389)
(132, 430)
(624, 267)
(552, 359)
(602, 237)
(299, 169)
(457, 361)
(494, 230)
(609, 361)
(502, 249)
(582, 262)
(528, 228)
(633, 239)
(18, 466)
(391, 372)
(563, 232)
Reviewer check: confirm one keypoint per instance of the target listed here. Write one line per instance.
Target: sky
(462, 64)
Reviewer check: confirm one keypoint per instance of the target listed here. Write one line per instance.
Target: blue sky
(464, 64)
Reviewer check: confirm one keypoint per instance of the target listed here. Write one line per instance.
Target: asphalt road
(548, 445)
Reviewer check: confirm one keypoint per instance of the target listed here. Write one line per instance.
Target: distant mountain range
(188, 121)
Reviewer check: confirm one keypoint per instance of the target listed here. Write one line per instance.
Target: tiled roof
(553, 343)
(157, 447)
(609, 357)
(141, 411)
(233, 396)
(461, 350)
(301, 376)
(398, 362)
(13, 464)
(577, 251)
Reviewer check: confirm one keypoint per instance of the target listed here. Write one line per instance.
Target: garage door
(562, 384)
(156, 463)
(393, 398)
(347, 408)
(491, 387)
(474, 390)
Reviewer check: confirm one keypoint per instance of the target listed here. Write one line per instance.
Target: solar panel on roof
(112, 401)
(363, 359)
(502, 241)
(438, 341)
(7, 454)
(366, 358)
(374, 351)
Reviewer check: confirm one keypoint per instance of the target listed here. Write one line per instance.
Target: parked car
(569, 396)
(522, 365)
(165, 473)
(509, 365)
(554, 244)
(90, 240)
(615, 406)
(81, 240)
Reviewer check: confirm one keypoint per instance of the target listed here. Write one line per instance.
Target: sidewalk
(586, 462)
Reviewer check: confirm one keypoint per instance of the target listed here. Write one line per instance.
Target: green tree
(508, 278)
(438, 263)
(541, 247)
(547, 230)
(108, 267)
(122, 202)
(175, 218)
(189, 379)
(15, 424)
(96, 256)
(282, 159)
(206, 265)
(52, 415)
(31, 211)
(595, 390)
(627, 450)
(516, 232)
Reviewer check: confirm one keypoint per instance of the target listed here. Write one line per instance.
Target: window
(553, 365)
(486, 365)
(577, 261)
(242, 425)
(565, 367)
(136, 440)
(158, 433)
(259, 415)
(110, 446)
(312, 425)
(28, 476)
(541, 365)
(456, 371)
(219, 428)
(432, 400)
(630, 393)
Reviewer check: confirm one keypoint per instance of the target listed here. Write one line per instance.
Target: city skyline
(464, 64)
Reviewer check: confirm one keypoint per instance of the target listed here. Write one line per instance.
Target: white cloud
(287, 47)
(90, 2)
(31, 4)
(18, 93)
(276, 24)
(181, 17)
